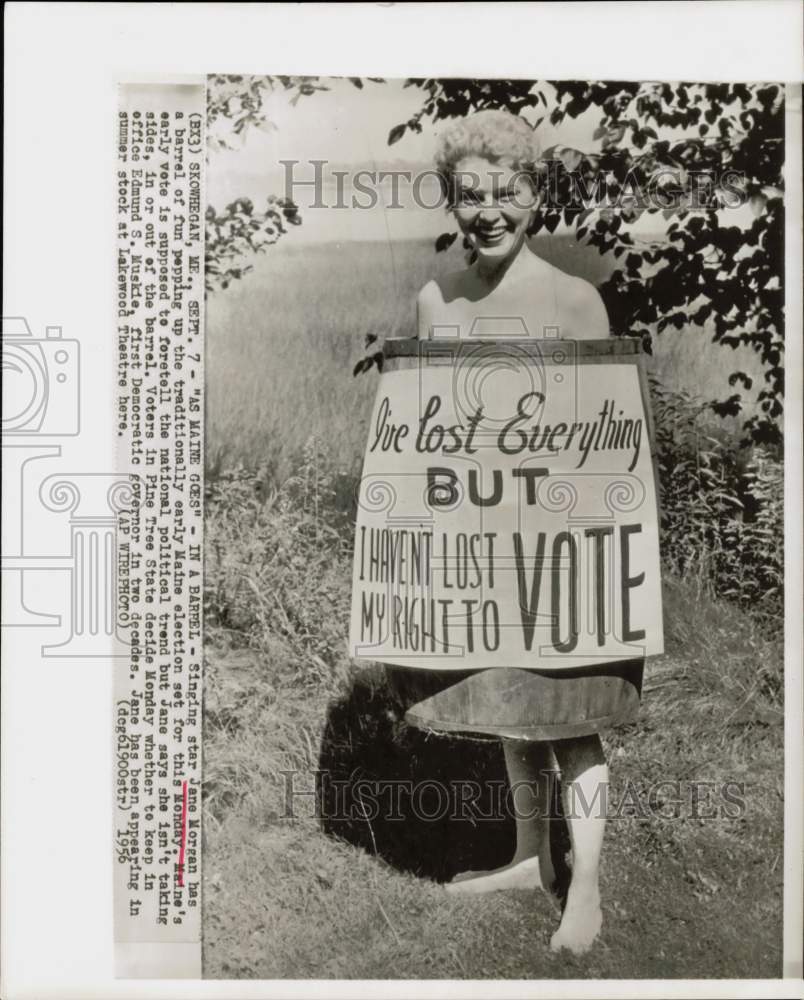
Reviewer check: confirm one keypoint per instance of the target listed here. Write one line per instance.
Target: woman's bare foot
(581, 921)
(530, 873)
(531, 772)
(585, 779)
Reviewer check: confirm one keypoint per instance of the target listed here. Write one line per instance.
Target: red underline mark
(183, 843)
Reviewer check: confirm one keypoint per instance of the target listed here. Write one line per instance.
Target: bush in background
(279, 563)
(722, 508)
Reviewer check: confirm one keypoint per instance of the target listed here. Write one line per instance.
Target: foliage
(721, 512)
(240, 231)
(705, 267)
(455, 98)
(276, 561)
(235, 104)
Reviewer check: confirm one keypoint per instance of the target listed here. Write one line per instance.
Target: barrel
(511, 699)
(522, 704)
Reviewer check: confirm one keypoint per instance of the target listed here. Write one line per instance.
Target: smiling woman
(490, 171)
(494, 205)
(489, 161)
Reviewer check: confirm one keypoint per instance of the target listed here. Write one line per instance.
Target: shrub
(722, 508)
(278, 562)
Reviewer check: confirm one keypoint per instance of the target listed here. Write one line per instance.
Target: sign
(507, 512)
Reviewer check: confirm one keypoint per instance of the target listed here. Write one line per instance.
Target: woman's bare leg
(530, 775)
(584, 779)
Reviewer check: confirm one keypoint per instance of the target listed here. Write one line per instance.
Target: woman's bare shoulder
(581, 308)
(445, 287)
(435, 302)
(431, 293)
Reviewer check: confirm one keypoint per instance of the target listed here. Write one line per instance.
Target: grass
(336, 892)
(299, 898)
(312, 896)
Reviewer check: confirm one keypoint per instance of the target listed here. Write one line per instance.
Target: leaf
(614, 135)
(727, 407)
(445, 241)
(571, 158)
(396, 133)
(551, 221)
(758, 203)
(740, 377)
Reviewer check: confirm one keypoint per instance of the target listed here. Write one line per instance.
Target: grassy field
(281, 345)
(687, 891)
(309, 896)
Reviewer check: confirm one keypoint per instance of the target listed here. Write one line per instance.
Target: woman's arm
(426, 308)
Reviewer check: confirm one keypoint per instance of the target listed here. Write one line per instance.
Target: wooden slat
(586, 351)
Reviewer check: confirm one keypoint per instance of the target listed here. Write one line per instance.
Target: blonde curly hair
(497, 136)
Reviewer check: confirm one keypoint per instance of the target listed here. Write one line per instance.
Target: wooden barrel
(520, 702)
(523, 704)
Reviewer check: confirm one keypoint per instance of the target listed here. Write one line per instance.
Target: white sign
(507, 510)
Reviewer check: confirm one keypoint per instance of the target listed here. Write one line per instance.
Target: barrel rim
(542, 349)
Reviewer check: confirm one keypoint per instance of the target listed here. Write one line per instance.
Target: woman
(489, 165)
